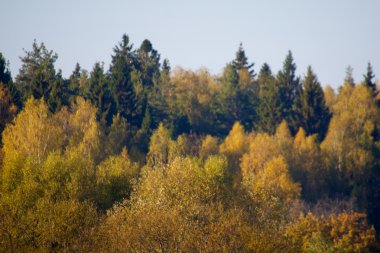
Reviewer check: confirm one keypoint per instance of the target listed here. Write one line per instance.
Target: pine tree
(368, 78)
(37, 73)
(313, 113)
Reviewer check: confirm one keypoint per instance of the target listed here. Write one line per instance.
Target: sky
(329, 35)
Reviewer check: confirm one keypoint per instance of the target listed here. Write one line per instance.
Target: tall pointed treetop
(368, 78)
(241, 61)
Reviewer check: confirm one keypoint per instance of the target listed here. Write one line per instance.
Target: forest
(140, 157)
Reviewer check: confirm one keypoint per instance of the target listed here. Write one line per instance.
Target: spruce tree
(241, 61)
(289, 85)
(58, 94)
(349, 79)
(368, 79)
(313, 112)
(120, 76)
(269, 110)
(99, 94)
(147, 63)
(74, 83)
(6, 80)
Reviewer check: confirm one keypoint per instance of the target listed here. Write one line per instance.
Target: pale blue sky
(327, 34)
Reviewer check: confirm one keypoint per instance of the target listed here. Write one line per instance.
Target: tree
(269, 110)
(122, 88)
(34, 134)
(349, 141)
(74, 83)
(159, 147)
(209, 146)
(6, 80)
(7, 109)
(330, 97)
(313, 114)
(234, 146)
(349, 79)
(369, 75)
(147, 63)
(289, 86)
(343, 232)
(114, 179)
(241, 61)
(99, 94)
(59, 93)
(37, 73)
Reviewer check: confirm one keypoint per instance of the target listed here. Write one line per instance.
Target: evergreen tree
(368, 78)
(74, 83)
(122, 87)
(59, 93)
(37, 73)
(147, 63)
(99, 94)
(6, 80)
(313, 112)
(226, 108)
(5, 74)
(241, 61)
(269, 111)
(349, 79)
(145, 76)
(289, 85)
(165, 67)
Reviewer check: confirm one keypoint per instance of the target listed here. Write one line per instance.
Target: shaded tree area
(140, 157)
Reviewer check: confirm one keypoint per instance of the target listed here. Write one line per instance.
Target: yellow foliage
(343, 232)
(34, 134)
(234, 145)
(275, 180)
(261, 149)
(209, 146)
(159, 147)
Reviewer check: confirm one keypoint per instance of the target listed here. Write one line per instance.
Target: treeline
(142, 158)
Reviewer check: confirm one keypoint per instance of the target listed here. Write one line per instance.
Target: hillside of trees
(139, 157)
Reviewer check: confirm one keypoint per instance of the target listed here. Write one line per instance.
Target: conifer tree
(6, 80)
(59, 93)
(74, 83)
(37, 73)
(368, 78)
(241, 61)
(349, 79)
(99, 94)
(269, 111)
(289, 85)
(121, 84)
(313, 113)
